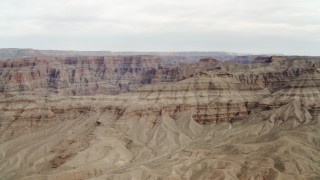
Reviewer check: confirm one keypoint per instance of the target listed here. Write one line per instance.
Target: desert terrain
(129, 116)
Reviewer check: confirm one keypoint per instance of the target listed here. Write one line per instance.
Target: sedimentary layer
(209, 120)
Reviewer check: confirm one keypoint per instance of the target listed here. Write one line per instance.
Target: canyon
(153, 116)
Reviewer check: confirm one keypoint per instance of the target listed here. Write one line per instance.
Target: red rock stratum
(130, 117)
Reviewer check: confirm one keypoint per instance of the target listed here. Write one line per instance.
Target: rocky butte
(152, 117)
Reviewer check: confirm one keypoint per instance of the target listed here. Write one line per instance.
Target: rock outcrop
(76, 75)
(208, 120)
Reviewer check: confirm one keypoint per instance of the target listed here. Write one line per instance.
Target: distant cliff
(189, 56)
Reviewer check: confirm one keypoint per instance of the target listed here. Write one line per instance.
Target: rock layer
(76, 75)
(209, 120)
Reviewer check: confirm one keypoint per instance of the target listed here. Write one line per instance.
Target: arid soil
(129, 117)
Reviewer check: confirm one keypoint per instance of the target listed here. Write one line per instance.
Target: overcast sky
(248, 26)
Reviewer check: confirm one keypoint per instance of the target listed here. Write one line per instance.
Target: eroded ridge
(208, 120)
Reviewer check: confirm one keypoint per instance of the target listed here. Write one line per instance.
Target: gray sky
(249, 26)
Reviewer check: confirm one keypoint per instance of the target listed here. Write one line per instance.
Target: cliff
(207, 120)
(76, 75)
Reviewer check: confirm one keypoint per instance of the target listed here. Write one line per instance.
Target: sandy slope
(212, 125)
(99, 143)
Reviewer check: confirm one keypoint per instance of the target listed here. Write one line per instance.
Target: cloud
(203, 22)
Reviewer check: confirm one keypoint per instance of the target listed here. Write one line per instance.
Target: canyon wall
(76, 75)
(205, 120)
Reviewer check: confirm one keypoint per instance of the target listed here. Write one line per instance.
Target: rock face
(76, 75)
(208, 120)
